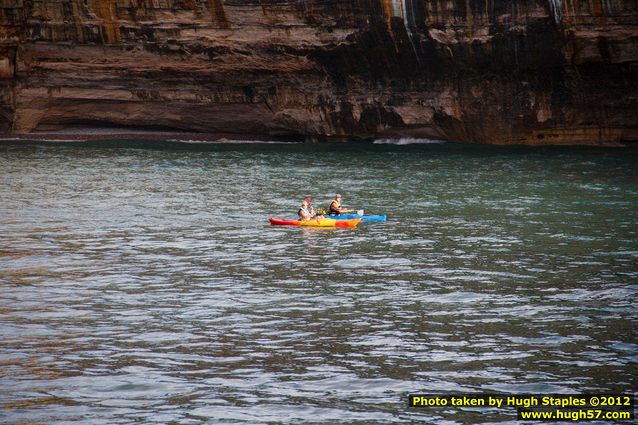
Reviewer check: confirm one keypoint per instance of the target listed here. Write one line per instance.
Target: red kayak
(316, 222)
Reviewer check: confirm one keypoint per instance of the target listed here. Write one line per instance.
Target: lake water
(144, 283)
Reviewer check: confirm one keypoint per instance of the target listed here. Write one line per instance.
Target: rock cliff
(490, 71)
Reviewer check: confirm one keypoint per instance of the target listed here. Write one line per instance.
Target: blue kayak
(364, 217)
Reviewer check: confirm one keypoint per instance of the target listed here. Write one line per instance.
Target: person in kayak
(335, 206)
(305, 212)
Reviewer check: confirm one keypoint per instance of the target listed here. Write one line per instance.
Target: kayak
(363, 217)
(316, 222)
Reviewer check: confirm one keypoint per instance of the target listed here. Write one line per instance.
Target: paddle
(310, 207)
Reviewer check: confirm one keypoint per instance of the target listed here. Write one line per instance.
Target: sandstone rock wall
(491, 71)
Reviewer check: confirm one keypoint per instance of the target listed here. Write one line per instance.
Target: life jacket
(334, 207)
(303, 211)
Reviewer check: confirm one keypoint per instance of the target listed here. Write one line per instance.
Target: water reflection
(146, 285)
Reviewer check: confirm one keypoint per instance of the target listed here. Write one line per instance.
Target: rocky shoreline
(100, 135)
(534, 72)
(189, 138)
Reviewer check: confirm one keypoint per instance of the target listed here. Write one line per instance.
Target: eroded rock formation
(521, 71)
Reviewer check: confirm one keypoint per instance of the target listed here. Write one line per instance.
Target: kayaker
(335, 206)
(304, 212)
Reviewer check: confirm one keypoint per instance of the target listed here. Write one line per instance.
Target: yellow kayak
(316, 222)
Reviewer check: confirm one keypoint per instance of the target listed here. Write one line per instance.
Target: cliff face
(524, 71)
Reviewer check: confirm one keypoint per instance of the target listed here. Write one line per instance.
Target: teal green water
(144, 283)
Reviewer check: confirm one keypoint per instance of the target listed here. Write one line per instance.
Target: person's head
(338, 197)
(304, 204)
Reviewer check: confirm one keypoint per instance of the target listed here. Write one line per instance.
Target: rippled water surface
(145, 284)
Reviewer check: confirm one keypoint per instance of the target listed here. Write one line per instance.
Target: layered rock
(526, 71)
